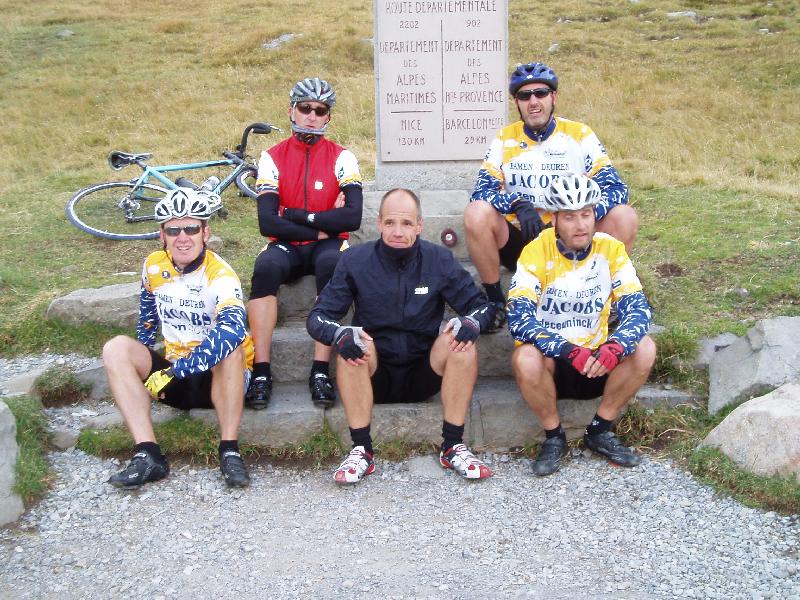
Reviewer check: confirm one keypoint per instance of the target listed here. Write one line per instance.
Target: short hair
(407, 191)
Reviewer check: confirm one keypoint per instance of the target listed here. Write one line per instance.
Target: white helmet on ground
(572, 192)
(185, 202)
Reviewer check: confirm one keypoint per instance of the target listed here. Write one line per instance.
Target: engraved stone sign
(441, 77)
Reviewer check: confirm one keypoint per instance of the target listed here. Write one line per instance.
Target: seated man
(309, 198)
(197, 299)
(566, 282)
(523, 160)
(394, 352)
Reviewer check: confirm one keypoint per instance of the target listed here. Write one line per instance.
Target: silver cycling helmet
(572, 192)
(311, 89)
(185, 202)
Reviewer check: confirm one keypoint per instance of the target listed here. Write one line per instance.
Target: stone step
(498, 418)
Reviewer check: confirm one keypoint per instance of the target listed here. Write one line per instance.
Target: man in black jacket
(393, 351)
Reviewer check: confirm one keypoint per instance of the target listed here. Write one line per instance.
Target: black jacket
(400, 303)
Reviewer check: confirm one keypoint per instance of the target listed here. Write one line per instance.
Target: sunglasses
(538, 92)
(173, 231)
(307, 109)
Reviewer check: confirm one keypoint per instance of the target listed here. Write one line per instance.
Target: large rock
(764, 359)
(116, 305)
(761, 435)
(11, 506)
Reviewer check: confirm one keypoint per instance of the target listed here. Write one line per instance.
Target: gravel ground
(411, 530)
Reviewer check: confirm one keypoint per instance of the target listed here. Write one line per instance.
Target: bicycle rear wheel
(116, 211)
(246, 182)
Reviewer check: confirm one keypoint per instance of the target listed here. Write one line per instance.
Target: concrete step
(498, 417)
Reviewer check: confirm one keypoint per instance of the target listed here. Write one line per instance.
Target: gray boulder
(764, 359)
(116, 304)
(11, 506)
(709, 347)
(761, 435)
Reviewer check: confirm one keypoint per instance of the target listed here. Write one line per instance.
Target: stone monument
(440, 97)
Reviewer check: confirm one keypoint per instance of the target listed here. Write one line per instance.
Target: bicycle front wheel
(117, 210)
(246, 182)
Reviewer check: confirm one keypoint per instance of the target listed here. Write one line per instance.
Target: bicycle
(103, 209)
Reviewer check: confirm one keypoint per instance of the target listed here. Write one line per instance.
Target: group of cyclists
(548, 205)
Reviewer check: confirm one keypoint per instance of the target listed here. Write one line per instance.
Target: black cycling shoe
(499, 321)
(323, 394)
(142, 468)
(548, 460)
(233, 469)
(610, 446)
(259, 393)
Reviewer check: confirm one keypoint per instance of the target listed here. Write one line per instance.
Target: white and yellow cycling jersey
(518, 167)
(201, 311)
(556, 298)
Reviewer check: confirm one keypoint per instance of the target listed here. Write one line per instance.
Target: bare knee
(234, 360)
(476, 213)
(622, 222)
(645, 353)
(117, 349)
(527, 363)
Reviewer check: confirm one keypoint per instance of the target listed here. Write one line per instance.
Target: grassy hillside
(700, 115)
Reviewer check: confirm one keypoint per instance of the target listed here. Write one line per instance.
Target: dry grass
(707, 103)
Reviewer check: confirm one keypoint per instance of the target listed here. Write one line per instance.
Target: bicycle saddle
(118, 159)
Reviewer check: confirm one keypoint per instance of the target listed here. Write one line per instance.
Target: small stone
(65, 33)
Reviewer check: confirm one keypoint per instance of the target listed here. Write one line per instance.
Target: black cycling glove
(348, 343)
(529, 220)
(465, 329)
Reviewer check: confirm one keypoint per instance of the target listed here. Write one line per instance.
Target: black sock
(495, 292)
(598, 425)
(556, 432)
(319, 366)
(152, 449)
(452, 434)
(362, 437)
(262, 369)
(226, 445)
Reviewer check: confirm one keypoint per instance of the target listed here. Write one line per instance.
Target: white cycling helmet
(186, 202)
(572, 192)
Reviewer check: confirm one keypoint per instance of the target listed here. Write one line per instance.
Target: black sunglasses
(307, 109)
(174, 231)
(538, 92)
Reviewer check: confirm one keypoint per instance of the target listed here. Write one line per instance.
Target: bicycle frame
(157, 173)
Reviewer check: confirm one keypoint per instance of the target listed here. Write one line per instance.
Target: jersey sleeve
(332, 304)
(267, 178)
(632, 307)
(346, 169)
(148, 322)
(490, 185)
(523, 303)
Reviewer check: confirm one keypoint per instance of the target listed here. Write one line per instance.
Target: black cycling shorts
(571, 384)
(282, 262)
(414, 382)
(192, 392)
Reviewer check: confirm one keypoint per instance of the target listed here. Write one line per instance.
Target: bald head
(399, 218)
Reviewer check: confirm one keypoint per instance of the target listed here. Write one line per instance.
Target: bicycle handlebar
(259, 128)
